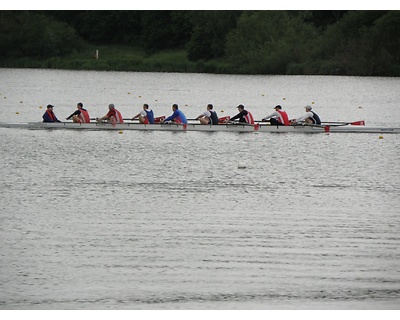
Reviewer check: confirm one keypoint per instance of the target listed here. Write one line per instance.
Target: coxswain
(49, 115)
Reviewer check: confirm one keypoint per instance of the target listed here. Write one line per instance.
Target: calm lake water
(167, 220)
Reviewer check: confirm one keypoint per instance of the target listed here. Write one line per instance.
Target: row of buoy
(186, 105)
(312, 102)
(263, 95)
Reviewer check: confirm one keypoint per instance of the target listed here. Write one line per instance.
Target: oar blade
(358, 123)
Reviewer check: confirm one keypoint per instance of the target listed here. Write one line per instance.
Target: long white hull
(199, 127)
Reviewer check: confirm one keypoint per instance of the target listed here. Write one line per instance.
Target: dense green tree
(351, 27)
(210, 29)
(164, 29)
(181, 27)
(355, 45)
(119, 27)
(113, 26)
(264, 42)
(31, 34)
(267, 41)
(323, 18)
(386, 33)
(9, 34)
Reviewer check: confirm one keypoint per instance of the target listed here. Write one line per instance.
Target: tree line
(255, 42)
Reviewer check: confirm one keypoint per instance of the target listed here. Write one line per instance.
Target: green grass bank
(122, 58)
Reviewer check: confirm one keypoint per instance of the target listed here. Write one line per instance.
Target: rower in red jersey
(81, 115)
(244, 116)
(278, 118)
(113, 115)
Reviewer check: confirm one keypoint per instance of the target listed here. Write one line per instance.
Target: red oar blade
(358, 123)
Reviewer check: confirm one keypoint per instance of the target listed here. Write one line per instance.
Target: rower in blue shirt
(177, 117)
(146, 116)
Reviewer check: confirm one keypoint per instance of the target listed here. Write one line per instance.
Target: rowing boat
(231, 127)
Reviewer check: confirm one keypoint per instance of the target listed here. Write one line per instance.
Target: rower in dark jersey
(209, 116)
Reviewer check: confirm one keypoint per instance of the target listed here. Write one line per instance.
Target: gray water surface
(167, 220)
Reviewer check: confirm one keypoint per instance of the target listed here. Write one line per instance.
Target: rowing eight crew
(146, 116)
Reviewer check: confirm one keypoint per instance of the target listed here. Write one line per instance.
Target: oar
(355, 123)
(97, 119)
(262, 122)
(156, 119)
(267, 123)
(237, 123)
(125, 119)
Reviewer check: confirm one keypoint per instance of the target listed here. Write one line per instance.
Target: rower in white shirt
(310, 117)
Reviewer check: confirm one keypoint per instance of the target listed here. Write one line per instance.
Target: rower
(310, 117)
(146, 116)
(113, 115)
(81, 115)
(278, 118)
(244, 116)
(209, 116)
(177, 117)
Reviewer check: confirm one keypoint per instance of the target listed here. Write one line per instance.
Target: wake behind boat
(229, 127)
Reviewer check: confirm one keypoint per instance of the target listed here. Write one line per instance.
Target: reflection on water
(164, 220)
